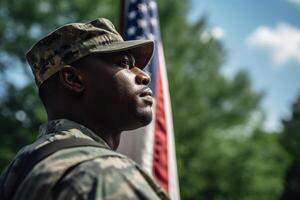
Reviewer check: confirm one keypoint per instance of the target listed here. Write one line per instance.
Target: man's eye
(125, 63)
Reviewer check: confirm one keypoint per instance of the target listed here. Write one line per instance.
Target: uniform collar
(67, 126)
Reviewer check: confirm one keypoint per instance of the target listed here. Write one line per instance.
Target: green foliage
(240, 167)
(221, 151)
(20, 115)
(290, 140)
(22, 22)
(214, 161)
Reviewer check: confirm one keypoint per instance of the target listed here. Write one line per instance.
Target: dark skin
(106, 93)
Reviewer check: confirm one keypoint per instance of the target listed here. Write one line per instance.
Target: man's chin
(142, 119)
(145, 116)
(146, 119)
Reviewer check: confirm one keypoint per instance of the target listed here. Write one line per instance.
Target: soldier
(93, 87)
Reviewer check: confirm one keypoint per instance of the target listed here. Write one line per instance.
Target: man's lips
(147, 94)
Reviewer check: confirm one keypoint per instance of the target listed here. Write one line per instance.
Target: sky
(263, 38)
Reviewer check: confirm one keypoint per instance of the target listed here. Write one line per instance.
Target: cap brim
(142, 50)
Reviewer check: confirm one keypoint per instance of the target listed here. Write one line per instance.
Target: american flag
(154, 149)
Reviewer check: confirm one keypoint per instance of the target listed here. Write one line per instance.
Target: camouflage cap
(74, 41)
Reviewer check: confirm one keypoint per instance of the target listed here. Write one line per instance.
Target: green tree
(290, 140)
(218, 156)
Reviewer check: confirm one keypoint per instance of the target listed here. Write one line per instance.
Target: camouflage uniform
(81, 172)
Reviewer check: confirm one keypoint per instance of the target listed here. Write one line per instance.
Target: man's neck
(112, 138)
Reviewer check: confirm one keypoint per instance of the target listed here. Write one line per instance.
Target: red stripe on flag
(160, 157)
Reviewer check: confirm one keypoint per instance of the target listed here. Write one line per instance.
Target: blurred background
(233, 69)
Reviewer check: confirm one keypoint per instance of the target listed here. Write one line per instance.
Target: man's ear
(72, 79)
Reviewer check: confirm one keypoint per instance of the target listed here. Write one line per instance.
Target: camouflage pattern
(74, 41)
(80, 172)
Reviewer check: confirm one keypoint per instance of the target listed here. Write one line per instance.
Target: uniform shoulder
(103, 166)
(54, 167)
(112, 177)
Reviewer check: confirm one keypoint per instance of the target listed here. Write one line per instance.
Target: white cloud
(281, 42)
(215, 32)
(297, 2)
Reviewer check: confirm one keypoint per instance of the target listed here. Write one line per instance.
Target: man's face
(117, 91)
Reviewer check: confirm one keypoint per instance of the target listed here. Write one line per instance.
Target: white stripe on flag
(147, 152)
(172, 164)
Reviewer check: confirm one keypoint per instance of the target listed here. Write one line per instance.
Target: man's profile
(93, 87)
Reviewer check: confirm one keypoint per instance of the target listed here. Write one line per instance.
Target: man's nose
(141, 77)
